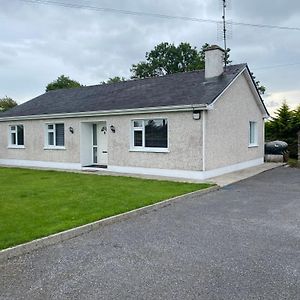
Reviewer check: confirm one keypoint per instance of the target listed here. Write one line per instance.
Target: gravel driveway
(241, 242)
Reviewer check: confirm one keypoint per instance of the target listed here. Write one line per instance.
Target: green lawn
(37, 203)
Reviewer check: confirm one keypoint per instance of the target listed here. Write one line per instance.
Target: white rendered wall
(227, 127)
(184, 153)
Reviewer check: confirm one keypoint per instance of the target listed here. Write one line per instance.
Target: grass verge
(36, 203)
(294, 163)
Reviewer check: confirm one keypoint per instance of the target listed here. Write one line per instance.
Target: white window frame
(253, 126)
(47, 131)
(143, 148)
(15, 131)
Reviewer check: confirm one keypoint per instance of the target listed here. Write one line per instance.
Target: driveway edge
(77, 231)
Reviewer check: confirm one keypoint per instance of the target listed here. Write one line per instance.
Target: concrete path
(241, 242)
(233, 177)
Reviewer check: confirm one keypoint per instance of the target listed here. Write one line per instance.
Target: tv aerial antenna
(225, 28)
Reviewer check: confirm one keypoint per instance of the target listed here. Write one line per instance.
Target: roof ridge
(137, 79)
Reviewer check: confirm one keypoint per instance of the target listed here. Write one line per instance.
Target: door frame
(86, 142)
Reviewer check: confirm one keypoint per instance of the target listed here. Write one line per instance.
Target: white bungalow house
(196, 125)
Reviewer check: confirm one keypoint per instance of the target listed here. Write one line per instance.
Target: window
(252, 133)
(55, 135)
(150, 134)
(16, 135)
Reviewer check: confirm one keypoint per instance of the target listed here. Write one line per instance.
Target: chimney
(214, 61)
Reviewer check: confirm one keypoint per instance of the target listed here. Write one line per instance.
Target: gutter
(175, 108)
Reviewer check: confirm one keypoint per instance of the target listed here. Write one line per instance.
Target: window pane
(20, 134)
(94, 134)
(138, 123)
(50, 126)
(13, 138)
(252, 133)
(60, 134)
(95, 156)
(50, 138)
(12, 128)
(138, 138)
(156, 133)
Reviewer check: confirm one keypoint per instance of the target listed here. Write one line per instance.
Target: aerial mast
(224, 32)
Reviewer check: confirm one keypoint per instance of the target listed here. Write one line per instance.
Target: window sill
(253, 146)
(15, 147)
(54, 148)
(154, 150)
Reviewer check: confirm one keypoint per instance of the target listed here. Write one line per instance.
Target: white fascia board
(145, 110)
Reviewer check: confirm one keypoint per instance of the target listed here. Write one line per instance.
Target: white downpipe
(203, 139)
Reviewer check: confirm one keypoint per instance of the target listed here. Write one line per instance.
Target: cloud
(274, 100)
(40, 42)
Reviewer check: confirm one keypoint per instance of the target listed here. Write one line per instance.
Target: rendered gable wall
(227, 127)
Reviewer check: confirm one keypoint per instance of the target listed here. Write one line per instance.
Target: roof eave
(175, 108)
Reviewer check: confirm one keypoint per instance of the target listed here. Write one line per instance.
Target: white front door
(100, 156)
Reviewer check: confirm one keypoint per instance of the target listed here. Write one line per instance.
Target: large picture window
(150, 134)
(55, 135)
(16, 135)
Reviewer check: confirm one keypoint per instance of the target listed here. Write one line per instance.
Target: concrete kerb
(77, 231)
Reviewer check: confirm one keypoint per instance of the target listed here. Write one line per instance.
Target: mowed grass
(36, 203)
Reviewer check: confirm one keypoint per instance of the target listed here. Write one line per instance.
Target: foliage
(114, 80)
(62, 82)
(7, 103)
(167, 58)
(284, 126)
(36, 203)
(294, 163)
(261, 88)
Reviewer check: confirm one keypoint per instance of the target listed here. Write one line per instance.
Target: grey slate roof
(171, 90)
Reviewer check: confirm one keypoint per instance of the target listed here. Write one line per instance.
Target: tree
(167, 58)
(261, 88)
(284, 126)
(62, 82)
(7, 103)
(114, 80)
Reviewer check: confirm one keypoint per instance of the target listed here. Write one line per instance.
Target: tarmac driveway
(241, 242)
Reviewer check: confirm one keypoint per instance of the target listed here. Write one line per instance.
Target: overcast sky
(40, 42)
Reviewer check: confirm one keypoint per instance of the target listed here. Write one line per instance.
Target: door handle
(104, 151)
